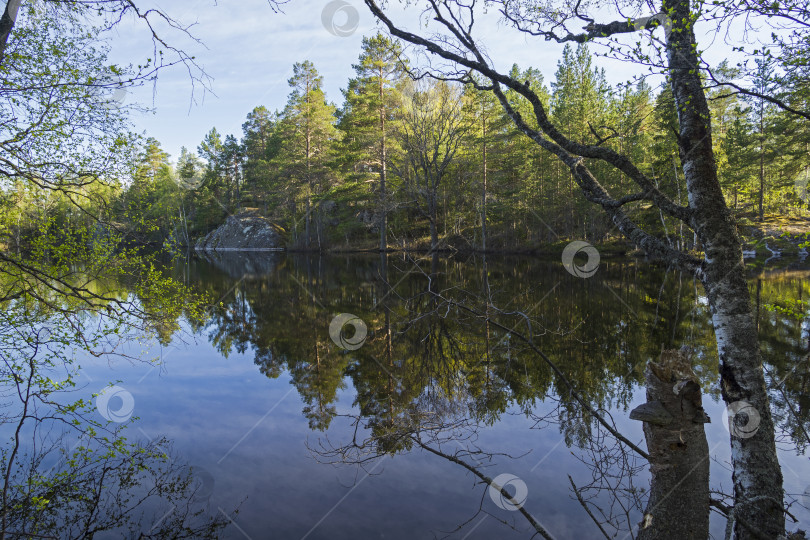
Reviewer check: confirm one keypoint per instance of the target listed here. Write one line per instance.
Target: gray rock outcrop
(245, 231)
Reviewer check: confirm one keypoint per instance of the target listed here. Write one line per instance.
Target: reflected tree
(449, 352)
(65, 474)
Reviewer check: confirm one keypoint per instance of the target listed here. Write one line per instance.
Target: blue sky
(249, 51)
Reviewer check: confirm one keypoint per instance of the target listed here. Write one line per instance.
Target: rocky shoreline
(245, 231)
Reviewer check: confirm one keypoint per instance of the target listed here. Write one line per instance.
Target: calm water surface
(309, 439)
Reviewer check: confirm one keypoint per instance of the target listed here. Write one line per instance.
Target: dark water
(315, 437)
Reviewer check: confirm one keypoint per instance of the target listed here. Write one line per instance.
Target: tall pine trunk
(308, 150)
(484, 179)
(761, 160)
(383, 173)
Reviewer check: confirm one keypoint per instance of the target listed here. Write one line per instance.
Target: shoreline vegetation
(700, 166)
(443, 167)
(775, 238)
(605, 250)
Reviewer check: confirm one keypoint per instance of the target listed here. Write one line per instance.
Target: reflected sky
(249, 432)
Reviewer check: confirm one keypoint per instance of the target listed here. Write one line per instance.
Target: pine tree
(738, 148)
(260, 142)
(308, 135)
(763, 113)
(486, 126)
(190, 173)
(370, 115)
(580, 102)
(793, 134)
(148, 201)
(231, 160)
(528, 202)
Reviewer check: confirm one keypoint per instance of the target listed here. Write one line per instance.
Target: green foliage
(78, 191)
(308, 135)
(386, 165)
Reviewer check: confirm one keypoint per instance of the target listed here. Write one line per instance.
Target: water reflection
(447, 353)
(68, 467)
(451, 355)
(421, 349)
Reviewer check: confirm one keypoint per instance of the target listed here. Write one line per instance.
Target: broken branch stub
(679, 454)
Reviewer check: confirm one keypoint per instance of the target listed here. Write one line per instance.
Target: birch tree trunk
(757, 476)
(7, 22)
